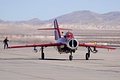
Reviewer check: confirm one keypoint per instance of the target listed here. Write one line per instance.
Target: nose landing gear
(70, 56)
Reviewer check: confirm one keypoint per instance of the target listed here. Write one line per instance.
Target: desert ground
(24, 64)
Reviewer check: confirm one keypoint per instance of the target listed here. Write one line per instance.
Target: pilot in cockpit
(68, 35)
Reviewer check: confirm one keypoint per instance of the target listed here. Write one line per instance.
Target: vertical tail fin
(57, 30)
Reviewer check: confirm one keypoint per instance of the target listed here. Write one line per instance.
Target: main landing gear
(88, 54)
(90, 50)
(42, 53)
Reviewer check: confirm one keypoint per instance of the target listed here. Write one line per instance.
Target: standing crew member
(5, 43)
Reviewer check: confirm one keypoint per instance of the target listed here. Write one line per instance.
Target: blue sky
(17, 10)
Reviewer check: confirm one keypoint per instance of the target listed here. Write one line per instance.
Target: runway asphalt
(24, 64)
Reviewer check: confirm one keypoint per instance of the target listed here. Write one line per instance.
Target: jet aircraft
(66, 44)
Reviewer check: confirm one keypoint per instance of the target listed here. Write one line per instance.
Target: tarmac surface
(24, 64)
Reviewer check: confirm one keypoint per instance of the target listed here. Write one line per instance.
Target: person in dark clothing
(5, 43)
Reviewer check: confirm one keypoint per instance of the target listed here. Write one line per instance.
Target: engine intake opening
(72, 44)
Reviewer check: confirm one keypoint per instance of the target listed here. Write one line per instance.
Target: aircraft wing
(36, 45)
(96, 46)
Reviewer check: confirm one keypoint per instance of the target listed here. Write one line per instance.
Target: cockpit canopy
(69, 35)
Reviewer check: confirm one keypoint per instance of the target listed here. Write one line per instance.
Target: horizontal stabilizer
(53, 29)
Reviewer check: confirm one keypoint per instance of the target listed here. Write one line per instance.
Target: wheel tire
(42, 55)
(70, 57)
(87, 56)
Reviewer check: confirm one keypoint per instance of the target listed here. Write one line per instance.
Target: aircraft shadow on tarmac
(51, 59)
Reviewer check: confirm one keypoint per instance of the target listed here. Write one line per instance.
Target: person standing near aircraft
(5, 43)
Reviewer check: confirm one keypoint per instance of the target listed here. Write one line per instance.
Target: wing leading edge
(96, 46)
(58, 44)
(36, 45)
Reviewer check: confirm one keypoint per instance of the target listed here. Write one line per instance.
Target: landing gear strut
(70, 56)
(90, 50)
(88, 54)
(42, 53)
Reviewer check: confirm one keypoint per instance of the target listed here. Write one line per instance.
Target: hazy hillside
(78, 19)
(91, 20)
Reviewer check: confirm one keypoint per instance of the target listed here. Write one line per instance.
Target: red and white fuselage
(69, 43)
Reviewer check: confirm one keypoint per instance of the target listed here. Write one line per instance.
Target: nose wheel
(70, 57)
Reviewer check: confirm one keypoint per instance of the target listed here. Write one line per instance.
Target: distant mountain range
(78, 19)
